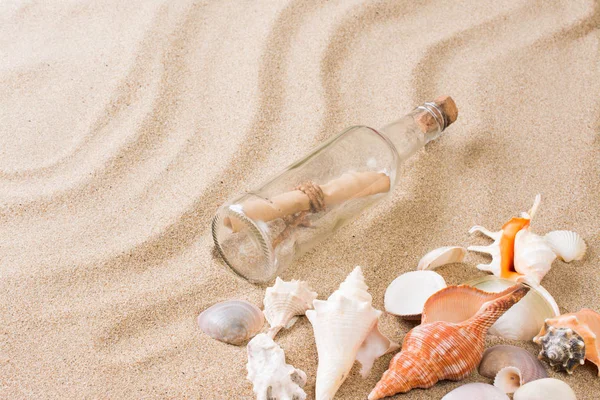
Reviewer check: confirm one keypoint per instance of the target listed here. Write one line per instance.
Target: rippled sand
(123, 126)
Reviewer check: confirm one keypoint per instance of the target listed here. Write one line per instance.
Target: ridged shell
(567, 245)
(285, 301)
(545, 389)
(407, 294)
(272, 378)
(526, 318)
(498, 358)
(442, 256)
(233, 321)
(476, 391)
(568, 340)
(442, 350)
(345, 329)
(533, 255)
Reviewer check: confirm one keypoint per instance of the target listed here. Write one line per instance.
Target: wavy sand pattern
(124, 125)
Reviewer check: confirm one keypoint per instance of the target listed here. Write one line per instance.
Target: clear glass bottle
(259, 233)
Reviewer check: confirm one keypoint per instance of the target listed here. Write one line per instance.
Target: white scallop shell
(285, 302)
(545, 389)
(407, 294)
(442, 256)
(345, 329)
(533, 255)
(567, 245)
(476, 391)
(233, 321)
(271, 377)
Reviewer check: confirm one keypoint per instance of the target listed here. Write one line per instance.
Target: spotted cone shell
(443, 350)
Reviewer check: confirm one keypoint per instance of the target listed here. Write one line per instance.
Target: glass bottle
(259, 233)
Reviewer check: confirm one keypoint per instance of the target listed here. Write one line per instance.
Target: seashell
(567, 245)
(442, 256)
(233, 321)
(443, 350)
(533, 255)
(345, 328)
(271, 377)
(545, 389)
(511, 367)
(525, 319)
(503, 248)
(407, 294)
(568, 340)
(285, 302)
(476, 391)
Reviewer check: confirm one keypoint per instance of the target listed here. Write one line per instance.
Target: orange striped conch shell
(503, 248)
(443, 350)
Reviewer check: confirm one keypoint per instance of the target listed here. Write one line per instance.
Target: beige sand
(125, 124)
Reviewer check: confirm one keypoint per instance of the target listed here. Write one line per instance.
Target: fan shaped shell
(233, 321)
(545, 389)
(567, 245)
(285, 302)
(407, 294)
(476, 391)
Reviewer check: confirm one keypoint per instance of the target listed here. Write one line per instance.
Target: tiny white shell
(545, 389)
(233, 321)
(407, 294)
(567, 245)
(476, 391)
(508, 379)
(442, 256)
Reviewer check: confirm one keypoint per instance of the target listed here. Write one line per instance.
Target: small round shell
(497, 359)
(442, 256)
(545, 389)
(567, 245)
(407, 294)
(233, 321)
(476, 391)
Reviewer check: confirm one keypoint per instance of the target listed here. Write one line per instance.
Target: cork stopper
(441, 112)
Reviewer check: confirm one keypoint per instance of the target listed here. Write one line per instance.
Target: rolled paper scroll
(351, 185)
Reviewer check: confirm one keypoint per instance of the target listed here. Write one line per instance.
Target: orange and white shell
(561, 339)
(443, 350)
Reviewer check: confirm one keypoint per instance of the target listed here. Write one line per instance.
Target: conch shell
(510, 367)
(443, 350)
(570, 339)
(345, 328)
(285, 302)
(232, 321)
(271, 377)
(533, 255)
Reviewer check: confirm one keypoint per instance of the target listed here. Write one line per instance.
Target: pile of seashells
(448, 344)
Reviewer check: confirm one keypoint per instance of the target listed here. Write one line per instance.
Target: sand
(125, 124)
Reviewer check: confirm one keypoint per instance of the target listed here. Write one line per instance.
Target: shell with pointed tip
(545, 389)
(271, 377)
(502, 249)
(568, 340)
(345, 329)
(442, 256)
(526, 318)
(407, 294)
(285, 301)
(443, 350)
(533, 255)
(476, 391)
(233, 321)
(511, 367)
(567, 245)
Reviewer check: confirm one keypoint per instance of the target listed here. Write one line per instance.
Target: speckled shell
(443, 350)
(499, 357)
(568, 340)
(285, 301)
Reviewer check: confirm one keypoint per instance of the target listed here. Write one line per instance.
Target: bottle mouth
(436, 112)
(246, 249)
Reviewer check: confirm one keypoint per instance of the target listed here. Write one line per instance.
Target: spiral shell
(285, 301)
(443, 350)
(233, 321)
(568, 340)
(533, 255)
(510, 366)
